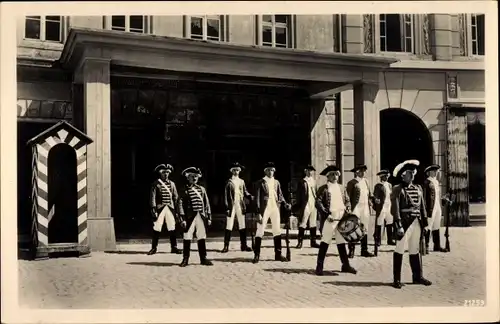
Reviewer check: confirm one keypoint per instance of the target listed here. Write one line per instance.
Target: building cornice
(439, 65)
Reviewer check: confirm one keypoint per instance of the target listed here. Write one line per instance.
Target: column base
(101, 234)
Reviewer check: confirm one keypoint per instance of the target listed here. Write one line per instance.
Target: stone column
(353, 34)
(97, 113)
(441, 36)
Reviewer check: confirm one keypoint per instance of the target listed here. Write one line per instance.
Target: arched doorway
(62, 195)
(404, 136)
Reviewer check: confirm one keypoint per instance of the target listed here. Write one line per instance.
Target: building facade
(295, 89)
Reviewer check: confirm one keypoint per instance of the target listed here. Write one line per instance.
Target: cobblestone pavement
(131, 279)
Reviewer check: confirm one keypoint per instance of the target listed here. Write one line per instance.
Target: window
(44, 109)
(477, 34)
(44, 28)
(276, 31)
(476, 138)
(133, 24)
(206, 28)
(396, 33)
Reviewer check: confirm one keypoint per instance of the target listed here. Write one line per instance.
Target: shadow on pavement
(303, 271)
(358, 283)
(132, 252)
(155, 264)
(234, 260)
(316, 254)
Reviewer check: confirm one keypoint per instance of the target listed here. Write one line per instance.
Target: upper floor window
(206, 27)
(44, 28)
(133, 24)
(477, 34)
(276, 31)
(396, 33)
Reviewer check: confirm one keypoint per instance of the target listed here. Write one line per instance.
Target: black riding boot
(436, 239)
(416, 270)
(390, 234)
(173, 243)
(154, 243)
(300, 238)
(277, 250)
(364, 248)
(427, 235)
(312, 232)
(352, 249)
(346, 267)
(202, 251)
(323, 248)
(186, 251)
(227, 239)
(397, 264)
(378, 235)
(243, 241)
(256, 251)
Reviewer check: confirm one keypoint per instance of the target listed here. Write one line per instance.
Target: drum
(351, 229)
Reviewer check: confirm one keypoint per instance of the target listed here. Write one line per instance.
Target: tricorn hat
(164, 167)
(328, 169)
(383, 172)
(432, 167)
(269, 165)
(408, 165)
(310, 167)
(359, 167)
(236, 165)
(191, 170)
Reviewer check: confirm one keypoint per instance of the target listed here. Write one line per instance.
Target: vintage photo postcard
(249, 162)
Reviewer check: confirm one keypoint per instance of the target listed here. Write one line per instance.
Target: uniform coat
(380, 191)
(263, 203)
(354, 191)
(303, 201)
(432, 202)
(262, 195)
(161, 198)
(186, 211)
(324, 198)
(401, 201)
(229, 194)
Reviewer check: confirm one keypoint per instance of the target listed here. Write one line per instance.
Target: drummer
(332, 201)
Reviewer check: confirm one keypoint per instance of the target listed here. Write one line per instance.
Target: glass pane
(33, 108)
(21, 108)
(137, 22)
(267, 18)
(128, 101)
(33, 17)
(408, 30)
(32, 29)
(382, 28)
(59, 109)
(213, 29)
(53, 31)
(69, 110)
(47, 107)
(145, 102)
(480, 34)
(474, 36)
(196, 26)
(159, 103)
(267, 34)
(118, 22)
(408, 45)
(382, 17)
(473, 19)
(383, 45)
(281, 36)
(53, 18)
(283, 19)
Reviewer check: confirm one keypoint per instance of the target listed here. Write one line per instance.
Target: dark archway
(404, 136)
(63, 196)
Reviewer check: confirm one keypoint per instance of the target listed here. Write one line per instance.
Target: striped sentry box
(60, 134)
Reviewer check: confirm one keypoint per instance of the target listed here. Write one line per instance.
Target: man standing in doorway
(306, 200)
(410, 218)
(195, 215)
(382, 206)
(433, 201)
(332, 203)
(269, 198)
(234, 195)
(163, 202)
(361, 201)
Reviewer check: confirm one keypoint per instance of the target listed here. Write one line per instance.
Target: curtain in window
(458, 182)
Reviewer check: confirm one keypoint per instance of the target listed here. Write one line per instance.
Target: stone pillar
(353, 34)
(367, 135)
(441, 36)
(97, 113)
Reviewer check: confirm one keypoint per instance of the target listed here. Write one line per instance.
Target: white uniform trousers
(362, 210)
(271, 213)
(330, 229)
(385, 215)
(310, 214)
(198, 226)
(237, 213)
(437, 214)
(412, 236)
(165, 217)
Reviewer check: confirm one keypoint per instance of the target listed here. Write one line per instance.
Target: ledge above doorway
(193, 56)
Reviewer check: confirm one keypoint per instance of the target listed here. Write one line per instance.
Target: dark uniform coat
(354, 192)
(323, 201)
(186, 210)
(262, 195)
(229, 196)
(302, 197)
(430, 196)
(400, 201)
(159, 197)
(380, 192)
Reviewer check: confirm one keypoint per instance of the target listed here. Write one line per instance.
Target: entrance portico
(91, 54)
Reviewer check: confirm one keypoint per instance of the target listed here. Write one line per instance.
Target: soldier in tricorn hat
(307, 213)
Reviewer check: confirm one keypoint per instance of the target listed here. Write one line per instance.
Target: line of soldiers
(393, 206)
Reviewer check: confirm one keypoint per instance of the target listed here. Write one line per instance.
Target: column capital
(87, 64)
(365, 92)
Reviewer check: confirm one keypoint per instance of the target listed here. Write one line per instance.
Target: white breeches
(311, 215)
(198, 226)
(165, 217)
(330, 229)
(412, 236)
(273, 214)
(437, 214)
(385, 215)
(362, 210)
(237, 213)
